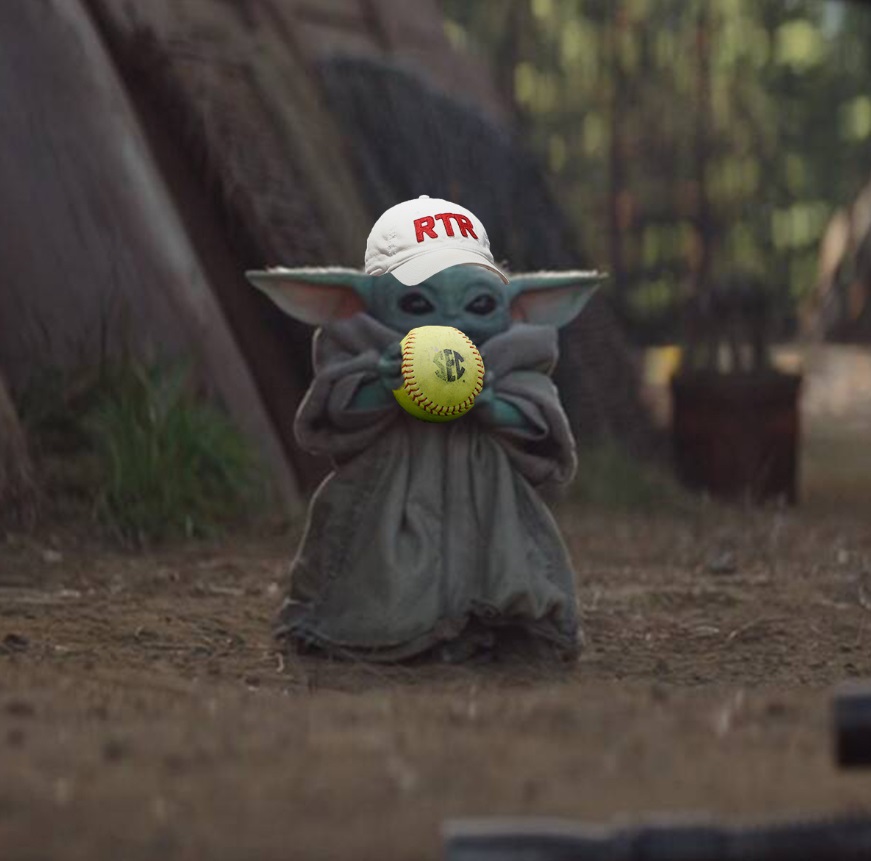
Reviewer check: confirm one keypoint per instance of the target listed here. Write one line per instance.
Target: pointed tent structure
(93, 254)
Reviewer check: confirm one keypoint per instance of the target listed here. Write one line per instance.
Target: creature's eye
(483, 304)
(415, 303)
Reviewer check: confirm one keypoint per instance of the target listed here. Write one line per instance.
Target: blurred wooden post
(737, 435)
(735, 416)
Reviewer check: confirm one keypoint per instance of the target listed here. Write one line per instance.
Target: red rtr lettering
(465, 226)
(425, 225)
(445, 218)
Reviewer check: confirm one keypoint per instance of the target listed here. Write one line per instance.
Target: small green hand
(378, 392)
(494, 411)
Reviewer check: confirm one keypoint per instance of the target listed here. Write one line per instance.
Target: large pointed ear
(315, 296)
(551, 298)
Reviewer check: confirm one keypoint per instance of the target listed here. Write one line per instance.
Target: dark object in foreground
(555, 840)
(737, 435)
(852, 725)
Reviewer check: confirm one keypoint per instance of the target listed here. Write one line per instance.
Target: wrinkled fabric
(424, 528)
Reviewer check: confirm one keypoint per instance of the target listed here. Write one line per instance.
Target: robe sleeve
(345, 357)
(520, 361)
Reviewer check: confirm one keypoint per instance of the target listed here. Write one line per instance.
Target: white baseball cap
(417, 238)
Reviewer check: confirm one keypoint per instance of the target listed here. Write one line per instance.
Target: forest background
(686, 139)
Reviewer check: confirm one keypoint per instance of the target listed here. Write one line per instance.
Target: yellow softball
(443, 373)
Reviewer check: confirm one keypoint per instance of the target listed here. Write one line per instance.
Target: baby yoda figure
(430, 537)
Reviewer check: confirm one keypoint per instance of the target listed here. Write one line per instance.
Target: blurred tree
(620, 203)
(705, 232)
(688, 137)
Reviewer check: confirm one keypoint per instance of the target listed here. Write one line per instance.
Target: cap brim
(426, 265)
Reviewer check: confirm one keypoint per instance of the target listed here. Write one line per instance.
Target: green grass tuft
(161, 462)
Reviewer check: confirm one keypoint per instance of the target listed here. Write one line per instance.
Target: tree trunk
(17, 486)
(704, 223)
(511, 51)
(619, 213)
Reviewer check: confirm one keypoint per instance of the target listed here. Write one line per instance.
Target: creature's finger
(390, 370)
(486, 397)
(392, 352)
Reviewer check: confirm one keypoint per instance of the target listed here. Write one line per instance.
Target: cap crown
(421, 226)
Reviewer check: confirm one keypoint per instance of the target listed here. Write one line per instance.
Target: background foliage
(685, 138)
(145, 452)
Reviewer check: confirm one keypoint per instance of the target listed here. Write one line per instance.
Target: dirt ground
(146, 713)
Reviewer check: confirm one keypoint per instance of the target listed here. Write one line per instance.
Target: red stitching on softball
(412, 386)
